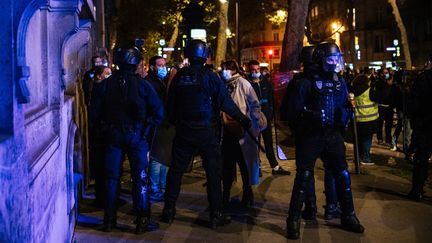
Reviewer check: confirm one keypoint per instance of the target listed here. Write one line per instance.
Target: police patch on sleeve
(319, 84)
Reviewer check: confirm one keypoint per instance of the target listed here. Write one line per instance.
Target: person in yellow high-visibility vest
(366, 112)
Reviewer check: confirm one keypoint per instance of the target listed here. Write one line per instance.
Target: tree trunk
(221, 38)
(352, 49)
(175, 33)
(403, 32)
(294, 34)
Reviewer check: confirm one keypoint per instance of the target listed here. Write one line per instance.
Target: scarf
(232, 83)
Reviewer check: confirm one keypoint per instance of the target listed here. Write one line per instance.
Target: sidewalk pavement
(379, 197)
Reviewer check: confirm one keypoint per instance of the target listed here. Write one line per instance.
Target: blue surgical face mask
(387, 75)
(226, 74)
(162, 72)
(255, 75)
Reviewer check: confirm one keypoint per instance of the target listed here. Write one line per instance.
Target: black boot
(418, 180)
(310, 209)
(415, 194)
(349, 221)
(145, 224)
(217, 218)
(309, 214)
(247, 201)
(109, 224)
(168, 213)
(293, 229)
(331, 208)
(110, 211)
(331, 211)
(301, 182)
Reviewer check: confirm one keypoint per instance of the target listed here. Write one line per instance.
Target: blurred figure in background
(161, 144)
(366, 111)
(97, 140)
(238, 147)
(264, 92)
(385, 88)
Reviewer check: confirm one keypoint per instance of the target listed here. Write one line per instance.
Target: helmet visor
(333, 63)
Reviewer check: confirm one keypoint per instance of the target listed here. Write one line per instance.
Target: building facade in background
(47, 46)
(376, 38)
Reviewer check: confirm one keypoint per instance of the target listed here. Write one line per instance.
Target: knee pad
(344, 178)
(304, 177)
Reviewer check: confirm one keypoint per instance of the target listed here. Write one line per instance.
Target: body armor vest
(327, 97)
(193, 96)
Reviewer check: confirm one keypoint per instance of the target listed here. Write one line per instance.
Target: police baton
(355, 140)
(255, 140)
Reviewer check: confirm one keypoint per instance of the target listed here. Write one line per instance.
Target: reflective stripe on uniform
(366, 110)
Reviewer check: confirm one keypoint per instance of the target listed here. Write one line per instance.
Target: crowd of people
(160, 119)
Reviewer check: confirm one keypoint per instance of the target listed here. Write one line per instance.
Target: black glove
(245, 122)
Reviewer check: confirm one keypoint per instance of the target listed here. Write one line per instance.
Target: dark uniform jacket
(196, 96)
(319, 102)
(125, 99)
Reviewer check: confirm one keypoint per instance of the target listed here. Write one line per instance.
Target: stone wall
(50, 43)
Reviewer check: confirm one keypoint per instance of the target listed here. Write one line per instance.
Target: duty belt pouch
(232, 128)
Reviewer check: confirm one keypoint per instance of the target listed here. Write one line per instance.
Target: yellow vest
(366, 110)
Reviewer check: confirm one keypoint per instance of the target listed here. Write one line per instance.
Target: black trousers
(267, 136)
(232, 155)
(328, 144)
(97, 147)
(130, 142)
(421, 159)
(187, 142)
(385, 118)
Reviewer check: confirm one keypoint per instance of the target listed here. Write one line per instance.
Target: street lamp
(228, 33)
(270, 53)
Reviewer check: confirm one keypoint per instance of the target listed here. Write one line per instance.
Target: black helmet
(127, 55)
(328, 57)
(305, 56)
(196, 49)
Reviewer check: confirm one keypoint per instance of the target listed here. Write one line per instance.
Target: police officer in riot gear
(331, 206)
(421, 123)
(195, 98)
(310, 208)
(321, 109)
(128, 107)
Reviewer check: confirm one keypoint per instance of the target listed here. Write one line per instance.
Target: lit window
(354, 18)
(314, 12)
